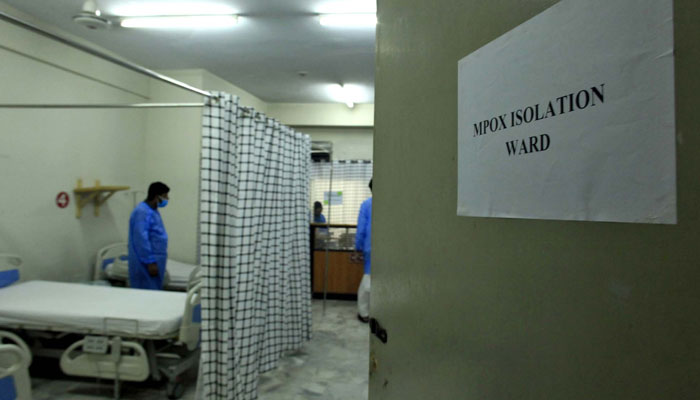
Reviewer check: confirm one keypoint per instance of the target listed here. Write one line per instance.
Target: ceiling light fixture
(91, 17)
(347, 94)
(181, 22)
(363, 20)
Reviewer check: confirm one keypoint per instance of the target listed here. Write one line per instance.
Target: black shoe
(363, 319)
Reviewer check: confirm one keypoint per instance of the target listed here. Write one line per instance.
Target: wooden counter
(344, 276)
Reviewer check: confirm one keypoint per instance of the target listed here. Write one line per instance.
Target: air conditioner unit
(321, 151)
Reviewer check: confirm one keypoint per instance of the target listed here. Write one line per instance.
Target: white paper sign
(333, 198)
(571, 116)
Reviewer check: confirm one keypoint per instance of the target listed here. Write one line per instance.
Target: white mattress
(72, 307)
(178, 272)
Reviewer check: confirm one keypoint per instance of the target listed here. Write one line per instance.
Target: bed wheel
(175, 390)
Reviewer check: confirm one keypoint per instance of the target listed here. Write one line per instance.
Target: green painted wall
(518, 309)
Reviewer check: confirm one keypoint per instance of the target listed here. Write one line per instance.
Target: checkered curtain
(254, 242)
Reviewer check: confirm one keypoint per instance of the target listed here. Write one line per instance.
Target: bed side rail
(114, 251)
(192, 318)
(195, 277)
(10, 267)
(15, 359)
(119, 360)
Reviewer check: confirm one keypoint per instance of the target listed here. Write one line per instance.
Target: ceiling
(263, 54)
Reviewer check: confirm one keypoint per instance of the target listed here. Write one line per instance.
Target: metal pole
(135, 105)
(330, 208)
(102, 55)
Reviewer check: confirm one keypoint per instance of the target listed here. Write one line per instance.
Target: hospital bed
(111, 333)
(112, 264)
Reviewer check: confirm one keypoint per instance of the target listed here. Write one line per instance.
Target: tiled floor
(332, 366)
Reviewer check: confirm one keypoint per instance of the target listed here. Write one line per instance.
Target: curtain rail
(102, 55)
(136, 105)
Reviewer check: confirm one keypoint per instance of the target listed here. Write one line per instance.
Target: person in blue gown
(148, 240)
(363, 245)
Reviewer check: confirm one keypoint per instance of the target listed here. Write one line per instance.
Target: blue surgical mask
(162, 203)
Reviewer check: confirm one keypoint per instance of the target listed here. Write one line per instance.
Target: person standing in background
(363, 244)
(318, 213)
(148, 240)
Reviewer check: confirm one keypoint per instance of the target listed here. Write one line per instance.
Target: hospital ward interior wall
(173, 148)
(301, 115)
(44, 152)
(348, 143)
(215, 83)
(486, 308)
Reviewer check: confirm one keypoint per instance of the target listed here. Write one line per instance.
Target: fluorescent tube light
(181, 22)
(348, 20)
(146, 8)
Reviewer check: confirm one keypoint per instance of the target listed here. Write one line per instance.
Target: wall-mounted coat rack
(97, 194)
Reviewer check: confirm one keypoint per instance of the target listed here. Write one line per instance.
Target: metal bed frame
(136, 356)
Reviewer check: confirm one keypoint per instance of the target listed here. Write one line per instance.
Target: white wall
(172, 148)
(348, 143)
(43, 152)
(205, 80)
(350, 130)
(213, 82)
(322, 114)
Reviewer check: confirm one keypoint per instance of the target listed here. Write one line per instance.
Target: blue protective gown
(148, 243)
(363, 238)
(320, 220)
